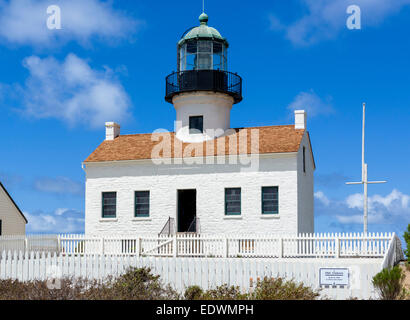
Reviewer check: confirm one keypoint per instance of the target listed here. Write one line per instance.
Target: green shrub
(39, 290)
(193, 293)
(407, 239)
(224, 292)
(135, 284)
(139, 284)
(279, 289)
(389, 283)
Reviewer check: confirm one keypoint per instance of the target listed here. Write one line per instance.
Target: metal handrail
(169, 228)
(194, 226)
(204, 80)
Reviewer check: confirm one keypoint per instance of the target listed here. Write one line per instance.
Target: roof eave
(145, 161)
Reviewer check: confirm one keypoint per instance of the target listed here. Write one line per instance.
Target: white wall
(306, 189)
(209, 180)
(214, 107)
(12, 221)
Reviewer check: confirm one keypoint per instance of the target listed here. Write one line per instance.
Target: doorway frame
(177, 206)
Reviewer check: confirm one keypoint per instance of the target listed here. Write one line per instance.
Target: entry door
(186, 209)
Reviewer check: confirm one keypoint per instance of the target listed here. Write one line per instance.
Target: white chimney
(300, 119)
(112, 130)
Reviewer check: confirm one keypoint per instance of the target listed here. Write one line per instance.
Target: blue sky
(58, 87)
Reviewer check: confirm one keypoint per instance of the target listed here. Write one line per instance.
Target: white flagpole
(365, 182)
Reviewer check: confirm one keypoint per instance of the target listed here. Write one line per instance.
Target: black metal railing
(204, 80)
(194, 226)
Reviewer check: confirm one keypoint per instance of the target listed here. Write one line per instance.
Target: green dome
(203, 32)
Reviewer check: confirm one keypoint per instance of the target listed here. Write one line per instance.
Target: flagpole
(365, 182)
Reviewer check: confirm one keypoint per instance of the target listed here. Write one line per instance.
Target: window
(141, 204)
(233, 201)
(270, 200)
(304, 159)
(109, 204)
(196, 124)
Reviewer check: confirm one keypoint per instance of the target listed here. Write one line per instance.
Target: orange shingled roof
(273, 139)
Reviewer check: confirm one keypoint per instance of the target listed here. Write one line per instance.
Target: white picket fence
(181, 273)
(372, 245)
(183, 261)
(37, 243)
(232, 246)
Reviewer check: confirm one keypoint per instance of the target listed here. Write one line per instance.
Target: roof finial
(203, 19)
(203, 6)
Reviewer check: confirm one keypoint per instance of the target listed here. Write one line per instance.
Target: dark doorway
(186, 209)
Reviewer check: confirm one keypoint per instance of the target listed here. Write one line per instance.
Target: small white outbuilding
(12, 220)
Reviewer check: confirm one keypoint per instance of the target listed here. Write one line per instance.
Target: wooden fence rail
(373, 245)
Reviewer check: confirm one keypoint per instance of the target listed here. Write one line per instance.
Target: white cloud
(396, 201)
(322, 198)
(59, 185)
(23, 22)
(358, 219)
(312, 103)
(70, 221)
(325, 19)
(73, 92)
(393, 208)
(355, 201)
(61, 211)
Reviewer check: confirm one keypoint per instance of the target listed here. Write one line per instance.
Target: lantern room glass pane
(205, 46)
(218, 56)
(203, 55)
(192, 47)
(182, 57)
(203, 62)
(190, 62)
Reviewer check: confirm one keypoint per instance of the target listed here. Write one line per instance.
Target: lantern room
(202, 48)
(203, 64)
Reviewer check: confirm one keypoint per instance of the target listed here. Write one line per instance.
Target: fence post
(280, 247)
(337, 246)
(102, 246)
(25, 244)
(138, 247)
(174, 246)
(58, 243)
(225, 247)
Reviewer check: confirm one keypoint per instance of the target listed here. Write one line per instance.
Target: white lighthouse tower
(203, 91)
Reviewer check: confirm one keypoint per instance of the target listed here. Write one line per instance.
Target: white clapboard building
(204, 177)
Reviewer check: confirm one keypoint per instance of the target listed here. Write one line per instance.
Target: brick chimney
(112, 130)
(300, 119)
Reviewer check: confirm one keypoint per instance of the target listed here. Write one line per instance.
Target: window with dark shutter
(270, 200)
(141, 204)
(233, 201)
(109, 205)
(196, 124)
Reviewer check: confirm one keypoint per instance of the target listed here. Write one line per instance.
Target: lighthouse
(130, 192)
(202, 91)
